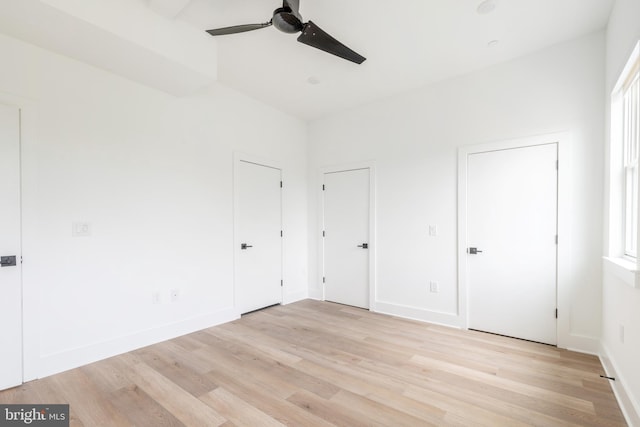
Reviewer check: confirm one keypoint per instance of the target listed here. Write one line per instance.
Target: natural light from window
(631, 143)
(623, 257)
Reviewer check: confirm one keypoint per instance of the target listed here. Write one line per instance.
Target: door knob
(364, 246)
(473, 251)
(8, 261)
(245, 246)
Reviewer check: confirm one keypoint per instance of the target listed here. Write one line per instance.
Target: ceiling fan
(288, 20)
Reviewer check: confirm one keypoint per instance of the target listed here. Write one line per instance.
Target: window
(631, 143)
(625, 157)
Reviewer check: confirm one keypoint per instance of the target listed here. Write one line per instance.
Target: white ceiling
(408, 44)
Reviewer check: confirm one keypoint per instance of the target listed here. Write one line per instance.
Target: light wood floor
(318, 364)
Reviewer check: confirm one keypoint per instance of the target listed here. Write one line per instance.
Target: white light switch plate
(81, 229)
(434, 287)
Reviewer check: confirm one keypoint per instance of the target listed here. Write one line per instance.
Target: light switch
(433, 230)
(81, 229)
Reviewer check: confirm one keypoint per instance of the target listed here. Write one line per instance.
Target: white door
(512, 224)
(258, 238)
(10, 270)
(346, 237)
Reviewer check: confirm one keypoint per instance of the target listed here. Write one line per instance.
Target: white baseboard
(295, 297)
(74, 358)
(582, 344)
(315, 294)
(628, 403)
(415, 313)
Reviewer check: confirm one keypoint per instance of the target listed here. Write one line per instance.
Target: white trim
(15, 148)
(316, 294)
(564, 338)
(629, 405)
(269, 163)
(295, 297)
(69, 359)
(582, 344)
(451, 320)
(371, 165)
(634, 57)
(625, 270)
(616, 213)
(30, 289)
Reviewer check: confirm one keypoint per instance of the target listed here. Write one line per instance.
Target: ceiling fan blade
(238, 29)
(313, 35)
(294, 5)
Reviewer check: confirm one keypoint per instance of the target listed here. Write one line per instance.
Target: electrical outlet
(434, 287)
(81, 229)
(433, 230)
(175, 295)
(155, 297)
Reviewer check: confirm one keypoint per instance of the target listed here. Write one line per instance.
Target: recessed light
(485, 7)
(493, 43)
(313, 80)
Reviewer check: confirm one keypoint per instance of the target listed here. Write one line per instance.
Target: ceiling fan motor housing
(285, 21)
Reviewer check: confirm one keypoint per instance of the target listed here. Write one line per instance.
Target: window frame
(630, 140)
(618, 259)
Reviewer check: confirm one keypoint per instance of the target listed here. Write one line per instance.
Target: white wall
(153, 175)
(413, 138)
(621, 302)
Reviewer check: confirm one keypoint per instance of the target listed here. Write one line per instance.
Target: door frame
(563, 280)
(259, 161)
(371, 165)
(30, 289)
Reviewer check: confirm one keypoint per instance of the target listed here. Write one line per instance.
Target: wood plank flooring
(321, 364)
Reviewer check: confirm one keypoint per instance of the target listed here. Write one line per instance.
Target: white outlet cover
(433, 230)
(434, 287)
(81, 229)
